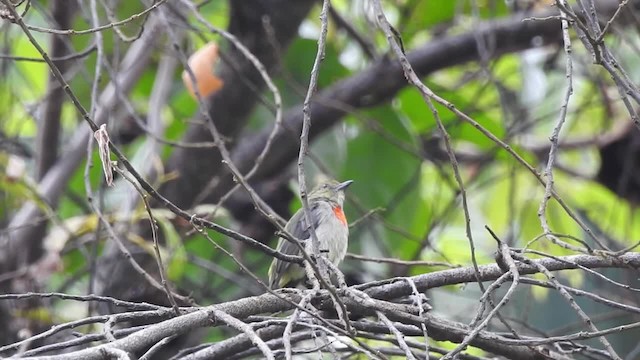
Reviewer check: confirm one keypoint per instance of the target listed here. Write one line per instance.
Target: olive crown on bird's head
(331, 190)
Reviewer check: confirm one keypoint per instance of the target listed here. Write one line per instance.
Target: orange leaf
(202, 63)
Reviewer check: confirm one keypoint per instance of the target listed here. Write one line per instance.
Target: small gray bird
(332, 229)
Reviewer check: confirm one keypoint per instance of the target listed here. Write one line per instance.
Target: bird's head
(330, 190)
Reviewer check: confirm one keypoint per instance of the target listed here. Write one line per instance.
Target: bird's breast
(333, 234)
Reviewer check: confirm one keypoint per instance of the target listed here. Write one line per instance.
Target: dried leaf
(102, 138)
(202, 63)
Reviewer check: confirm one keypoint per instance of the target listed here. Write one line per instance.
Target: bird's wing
(300, 229)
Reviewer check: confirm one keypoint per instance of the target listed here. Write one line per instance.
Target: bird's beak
(344, 185)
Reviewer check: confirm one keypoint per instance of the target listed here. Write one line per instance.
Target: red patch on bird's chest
(337, 210)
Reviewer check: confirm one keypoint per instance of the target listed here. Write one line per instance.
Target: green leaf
(426, 13)
(412, 105)
(299, 62)
(176, 263)
(489, 122)
(392, 174)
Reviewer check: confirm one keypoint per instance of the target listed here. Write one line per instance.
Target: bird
(332, 230)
